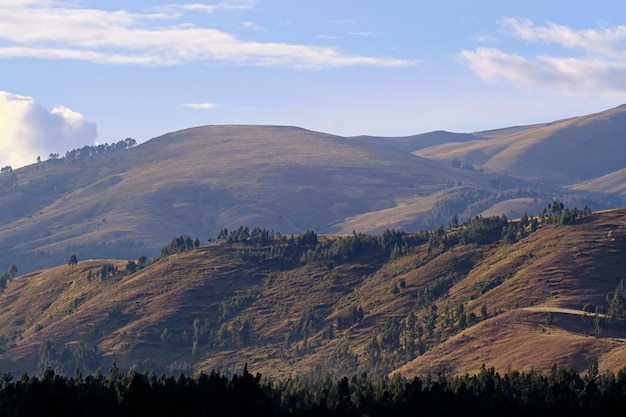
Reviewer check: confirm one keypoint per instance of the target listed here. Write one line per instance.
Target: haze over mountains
(198, 180)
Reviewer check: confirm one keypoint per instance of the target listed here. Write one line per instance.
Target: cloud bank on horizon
(28, 130)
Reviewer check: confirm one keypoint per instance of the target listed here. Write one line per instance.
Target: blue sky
(79, 71)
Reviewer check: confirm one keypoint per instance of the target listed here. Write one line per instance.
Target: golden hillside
(565, 151)
(405, 302)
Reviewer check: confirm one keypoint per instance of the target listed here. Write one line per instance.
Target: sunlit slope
(210, 308)
(536, 311)
(613, 183)
(565, 151)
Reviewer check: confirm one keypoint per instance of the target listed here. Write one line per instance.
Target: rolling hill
(397, 302)
(563, 152)
(126, 203)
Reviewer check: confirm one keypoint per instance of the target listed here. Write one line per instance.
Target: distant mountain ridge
(566, 152)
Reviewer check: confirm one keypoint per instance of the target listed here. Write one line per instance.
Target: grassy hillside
(613, 183)
(407, 302)
(127, 202)
(199, 180)
(565, 151)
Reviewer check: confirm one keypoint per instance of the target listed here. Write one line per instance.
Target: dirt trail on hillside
(548, 309)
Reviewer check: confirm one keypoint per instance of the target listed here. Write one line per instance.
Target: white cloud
(595, 63)
(252, 26)
(50, 30)
(209, 8)
(606, 41)
(365, 34)
(29, 130)
(199, 106)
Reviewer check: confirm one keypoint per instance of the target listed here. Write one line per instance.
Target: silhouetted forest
(561, 392)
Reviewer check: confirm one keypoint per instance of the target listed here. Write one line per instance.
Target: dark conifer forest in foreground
(561, 392)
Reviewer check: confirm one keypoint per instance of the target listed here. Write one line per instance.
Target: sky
(80, 72)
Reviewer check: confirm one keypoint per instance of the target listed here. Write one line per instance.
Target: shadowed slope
(200, 180)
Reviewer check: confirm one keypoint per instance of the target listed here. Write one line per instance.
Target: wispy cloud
(595, 64)
(365, 34)
(252, 26)
(50, 30)
(209, 8)
(605, 41)
(199, 106)
(329, 37)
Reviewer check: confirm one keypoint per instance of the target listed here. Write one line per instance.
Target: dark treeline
(179, 244)
(560, 392)
(262, 245)
(91, 151)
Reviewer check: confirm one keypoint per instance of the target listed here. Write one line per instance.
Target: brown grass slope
(150, 317)
(199, 180)
(558, 270)
(565, 151)
(613, 183)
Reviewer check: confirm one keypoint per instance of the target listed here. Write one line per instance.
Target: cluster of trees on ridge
(91, 151)
(259, 245)
(85, 152)
(562, 392)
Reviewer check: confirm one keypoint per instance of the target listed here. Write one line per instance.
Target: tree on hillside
(222, 234)
(12, 271)
(4, 277)
(72, 260)
(107, 270)
(131, 267)
(130, 142)
(556, 208)
(617, 305)
(178, 245)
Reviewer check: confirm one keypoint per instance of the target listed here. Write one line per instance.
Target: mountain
(562, 152)
(124, 203)
(127, 203)
(416, 142)
(613, 183)
(396, 302)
